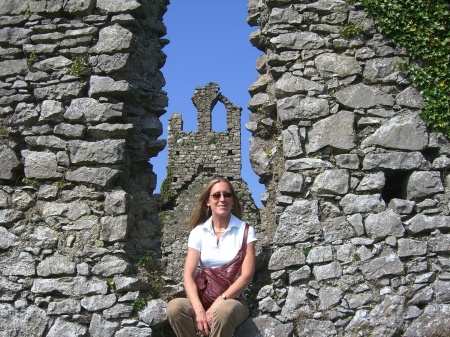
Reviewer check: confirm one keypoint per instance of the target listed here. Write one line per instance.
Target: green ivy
(423, 27)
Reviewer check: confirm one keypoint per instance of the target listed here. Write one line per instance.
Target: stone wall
(79, 120)
(357, 204)
(354, 232)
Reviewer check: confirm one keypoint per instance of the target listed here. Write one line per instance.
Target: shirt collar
(234, 222)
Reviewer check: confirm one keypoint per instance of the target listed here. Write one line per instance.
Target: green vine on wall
(167, 195)
(423, 27)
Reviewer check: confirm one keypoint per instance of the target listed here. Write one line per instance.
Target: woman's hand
(201, 323)
(209, 316)
(210, 313)
(190, 268)
(212, 309)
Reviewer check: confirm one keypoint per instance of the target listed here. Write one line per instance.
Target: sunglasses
(226, 195)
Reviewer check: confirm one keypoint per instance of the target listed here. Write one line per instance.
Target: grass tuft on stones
(349, 31)
(139, 303)
(80, 66)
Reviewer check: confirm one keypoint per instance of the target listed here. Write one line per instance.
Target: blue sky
(209, 42)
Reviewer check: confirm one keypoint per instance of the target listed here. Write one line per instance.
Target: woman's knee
(174, 307)
(225, 308)
(231, 310)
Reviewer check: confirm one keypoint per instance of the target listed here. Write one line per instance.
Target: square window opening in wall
(395, 185)
(177, 153)
(174, 179)
(230, 153)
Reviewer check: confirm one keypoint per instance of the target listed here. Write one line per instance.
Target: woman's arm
(190, 268)
(246, 278)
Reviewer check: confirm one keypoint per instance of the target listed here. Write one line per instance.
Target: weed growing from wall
(139, 303)
(152, 269)
(31, 58)
(3, 131)
(29, 181)
(167, 196)
(212, 140)
(350, 31)
(79, 66)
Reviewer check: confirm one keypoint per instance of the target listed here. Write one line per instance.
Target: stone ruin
(81, 96)
(357, 204)
(354, 229)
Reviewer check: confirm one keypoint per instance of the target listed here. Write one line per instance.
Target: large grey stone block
(331, 65)
(336, 131)
(404, 132)
(298, 223)
(381, 225)
(9, 163)
(354, 203)
(423, 184)
(382, 266)
(332, 182)
(361, 96)
(287, 256)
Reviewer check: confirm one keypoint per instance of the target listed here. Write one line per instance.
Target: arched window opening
(219, 118)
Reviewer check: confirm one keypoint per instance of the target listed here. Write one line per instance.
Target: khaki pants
(228, 315)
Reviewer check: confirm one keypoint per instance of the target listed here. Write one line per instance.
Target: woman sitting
(215, 239)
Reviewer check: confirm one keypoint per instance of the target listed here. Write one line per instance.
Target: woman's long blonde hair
(201, 212)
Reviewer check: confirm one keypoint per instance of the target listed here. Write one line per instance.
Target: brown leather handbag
(213, 282)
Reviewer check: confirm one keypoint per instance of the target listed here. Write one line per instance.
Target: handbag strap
(244, 239)
(239, 258)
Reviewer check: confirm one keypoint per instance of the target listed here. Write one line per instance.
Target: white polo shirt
(213, 254)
